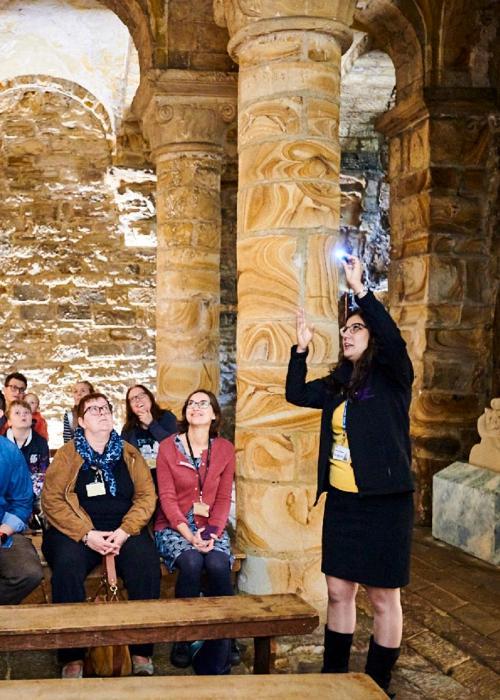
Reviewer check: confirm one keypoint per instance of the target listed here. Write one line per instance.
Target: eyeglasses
(16, 389)
(137, 397)
(204, 403)
(352, 329)
(95, 410)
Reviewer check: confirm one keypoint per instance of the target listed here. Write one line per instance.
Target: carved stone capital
(436, 102)
(186, 110)
(246, 19)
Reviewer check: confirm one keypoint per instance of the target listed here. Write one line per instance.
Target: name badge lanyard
(200, 482)
(96, 487)
(344, 417)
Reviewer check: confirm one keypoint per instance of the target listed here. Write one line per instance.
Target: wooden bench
(348, 686)
(42, 594)
(31, 627)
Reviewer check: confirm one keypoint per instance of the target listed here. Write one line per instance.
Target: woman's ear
(81, 422)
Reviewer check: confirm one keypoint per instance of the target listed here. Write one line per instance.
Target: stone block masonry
(466, 510)
(75, 300)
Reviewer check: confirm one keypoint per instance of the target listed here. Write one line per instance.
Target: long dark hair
(361, 368)
(131, 420)
(213, 432)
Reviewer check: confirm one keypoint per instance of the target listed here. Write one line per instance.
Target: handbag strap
(109, 567)
(109, 571)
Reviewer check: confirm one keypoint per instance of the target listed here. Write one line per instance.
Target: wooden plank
(348, 686)
(84, 624)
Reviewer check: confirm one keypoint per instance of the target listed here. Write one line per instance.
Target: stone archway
(76, 301)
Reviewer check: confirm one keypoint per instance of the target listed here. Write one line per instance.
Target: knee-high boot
(337, 652)
(380, 662)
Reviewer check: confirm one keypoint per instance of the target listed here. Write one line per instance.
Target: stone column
(288, 215)
(441, 285)
(185, 120)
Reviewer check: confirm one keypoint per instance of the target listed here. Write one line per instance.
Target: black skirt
(367, 539)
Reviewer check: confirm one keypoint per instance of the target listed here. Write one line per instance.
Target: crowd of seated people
(100, 495)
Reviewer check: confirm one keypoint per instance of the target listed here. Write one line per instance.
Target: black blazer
(377, 420)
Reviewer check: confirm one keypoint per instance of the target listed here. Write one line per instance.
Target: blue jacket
(377, 421)
(16, 492)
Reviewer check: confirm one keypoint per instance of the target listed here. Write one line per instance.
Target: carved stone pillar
(185, 119)
(289, 56)
(441, 284)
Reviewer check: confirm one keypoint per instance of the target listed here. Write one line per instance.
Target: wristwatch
(362, 293)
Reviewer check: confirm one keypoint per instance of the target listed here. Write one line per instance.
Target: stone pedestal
(466, 510)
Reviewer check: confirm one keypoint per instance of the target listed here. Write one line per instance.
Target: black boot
(380, 662)
(337, 652)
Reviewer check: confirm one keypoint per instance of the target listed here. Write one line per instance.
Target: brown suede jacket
(60, 503)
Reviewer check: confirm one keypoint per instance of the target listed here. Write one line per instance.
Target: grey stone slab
(466, 510)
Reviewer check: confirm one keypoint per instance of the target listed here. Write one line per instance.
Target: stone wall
(75, 300)
(195, 41)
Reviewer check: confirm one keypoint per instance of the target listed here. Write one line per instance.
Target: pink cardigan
(178, 484)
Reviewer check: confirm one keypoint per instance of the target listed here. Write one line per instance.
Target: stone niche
(76, 300)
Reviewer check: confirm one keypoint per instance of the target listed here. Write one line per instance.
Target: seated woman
(195, 470)
(98, 499)
(38, 421)
(70, 420)
(146, 424)
(35, 451)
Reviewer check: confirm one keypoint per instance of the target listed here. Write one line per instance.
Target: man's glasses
(352, 329)
(137, 397)
(16, 389)
(98, 410)
(204, 403)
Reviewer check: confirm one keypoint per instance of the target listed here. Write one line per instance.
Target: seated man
(15, 389)
(15, 386)
(20, 567)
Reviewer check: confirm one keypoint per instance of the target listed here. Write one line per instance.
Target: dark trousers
(138, 565)
(20, 570)
(191, 564)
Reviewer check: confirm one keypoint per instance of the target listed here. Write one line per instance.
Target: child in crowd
(70, 421)
(33, 446)
(39, 422)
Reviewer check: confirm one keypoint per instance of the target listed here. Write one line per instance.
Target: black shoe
(180, 655)
(235, 653)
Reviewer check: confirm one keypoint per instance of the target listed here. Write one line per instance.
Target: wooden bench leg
(262, 656)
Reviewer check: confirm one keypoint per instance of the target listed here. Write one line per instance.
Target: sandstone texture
(175, 179)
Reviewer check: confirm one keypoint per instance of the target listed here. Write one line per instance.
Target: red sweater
(178, 485)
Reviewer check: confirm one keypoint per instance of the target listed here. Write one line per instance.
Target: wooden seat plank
(141, 622)
(349, 686)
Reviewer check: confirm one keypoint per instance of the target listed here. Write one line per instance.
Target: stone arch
(395, 34)
(467, 35)
(45, 83)
(144, 25)
(77, 299)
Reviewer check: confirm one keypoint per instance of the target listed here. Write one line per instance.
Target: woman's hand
(202, 545)
(117, 539)
(353, 273)
(304, 332)
(98, 541)
(145, 416)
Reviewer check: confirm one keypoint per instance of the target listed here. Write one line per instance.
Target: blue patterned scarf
(104, 462)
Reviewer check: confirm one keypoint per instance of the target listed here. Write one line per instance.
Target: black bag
(212, 657)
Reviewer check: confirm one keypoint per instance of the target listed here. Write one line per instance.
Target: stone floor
(451, 647)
